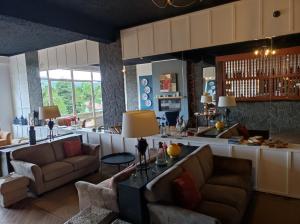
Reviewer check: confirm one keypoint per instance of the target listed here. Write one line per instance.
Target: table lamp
(206, 99)
(226, 102)
(140, 124)
(49, 112)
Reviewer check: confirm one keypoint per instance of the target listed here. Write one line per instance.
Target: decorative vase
(173, 151)
(32, 136)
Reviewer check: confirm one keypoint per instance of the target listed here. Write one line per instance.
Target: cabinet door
(180, 33)
(294, 174)
(247, 20)
(93, 52)
(81, 53)
(296, 13)
(275, 26)
(222, 24)
(200, 29)
(71, 54)
(43, 59)
(145, 37)
(61, 56)
(162, 37)
(129, 43)
(52, 59)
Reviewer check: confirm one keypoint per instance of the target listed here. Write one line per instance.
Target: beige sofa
(225, 184)
(47, 167)
(5, 138)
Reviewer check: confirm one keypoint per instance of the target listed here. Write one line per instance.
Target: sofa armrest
(229, 165)
(96, 195)
(6, 136)
(165, 214)
(91, 149)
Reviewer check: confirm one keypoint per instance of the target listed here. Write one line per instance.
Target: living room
(153, 111)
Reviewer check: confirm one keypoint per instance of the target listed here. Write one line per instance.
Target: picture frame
(168, 82)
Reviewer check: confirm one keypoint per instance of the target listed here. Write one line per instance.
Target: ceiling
(28, 25)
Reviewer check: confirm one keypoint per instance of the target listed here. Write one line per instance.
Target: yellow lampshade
(48, 112)
(137, 124)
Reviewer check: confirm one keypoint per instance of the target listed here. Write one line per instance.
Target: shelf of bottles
(254, 78)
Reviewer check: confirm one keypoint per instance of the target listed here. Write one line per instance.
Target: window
(74, 92)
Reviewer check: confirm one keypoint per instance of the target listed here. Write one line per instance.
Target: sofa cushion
(185, 191)
(192, 165)
(72, 148)
(225, 213)
(160, 188)
(232, 196)
(79, 162)
(55, 170)
(239, 181)
(58, 147)
(40, 154)
(205, 158)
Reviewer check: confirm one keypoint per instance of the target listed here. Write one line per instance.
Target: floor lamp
(140, 124)
(49, 113)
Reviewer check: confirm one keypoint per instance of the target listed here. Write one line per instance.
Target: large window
(74, 92)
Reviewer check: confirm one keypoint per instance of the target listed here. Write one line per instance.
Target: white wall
(6, 111)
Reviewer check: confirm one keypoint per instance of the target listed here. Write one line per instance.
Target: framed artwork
(168, 82)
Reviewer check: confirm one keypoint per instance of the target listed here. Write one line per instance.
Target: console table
(132, 203)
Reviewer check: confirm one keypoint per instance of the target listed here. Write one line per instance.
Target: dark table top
(118, 158)
(141, 180)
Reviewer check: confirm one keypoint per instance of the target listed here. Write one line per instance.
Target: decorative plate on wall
(147, 89)
(148, 103)
(144, 82)
(145, 96)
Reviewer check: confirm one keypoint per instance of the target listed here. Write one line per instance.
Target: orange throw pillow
(185, 191)
(72, 148)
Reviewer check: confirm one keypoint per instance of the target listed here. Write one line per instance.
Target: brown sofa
(47, 167)
(5, 138)
(225, 184)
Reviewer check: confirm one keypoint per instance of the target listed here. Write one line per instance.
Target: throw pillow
(185, 191)
(72, 148)
(244, 132)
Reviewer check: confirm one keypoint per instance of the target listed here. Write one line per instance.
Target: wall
(132, 99)
(34, 81)
(171, 66)
(6, 108)
(113, 95)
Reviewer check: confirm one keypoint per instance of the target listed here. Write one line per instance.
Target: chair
(5, 138)
(171, 117)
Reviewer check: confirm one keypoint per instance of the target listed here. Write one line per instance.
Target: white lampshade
(227, 101)
(206, 99)
(48, 112)
(137, 124)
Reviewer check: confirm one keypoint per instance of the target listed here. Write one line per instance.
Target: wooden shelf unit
(259, 78)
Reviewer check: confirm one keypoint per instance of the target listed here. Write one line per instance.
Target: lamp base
(51, 125)
(142, 148)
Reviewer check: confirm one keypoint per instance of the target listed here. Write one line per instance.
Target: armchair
(5, 138)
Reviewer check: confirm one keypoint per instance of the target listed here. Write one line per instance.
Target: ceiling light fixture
(162, 4)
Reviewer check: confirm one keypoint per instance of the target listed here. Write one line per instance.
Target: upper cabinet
(238, 21)
(247, 20)
(71, 55)
(162, 37)
(272, 25)
(180, 33)
(145, 40)
(222, 27)
(130, 43)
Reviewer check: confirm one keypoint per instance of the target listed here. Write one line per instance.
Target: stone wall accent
(34, 81)
(113, 95)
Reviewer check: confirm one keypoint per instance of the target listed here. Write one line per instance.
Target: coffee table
(118, 159)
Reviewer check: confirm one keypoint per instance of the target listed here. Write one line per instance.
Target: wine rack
(261, 78)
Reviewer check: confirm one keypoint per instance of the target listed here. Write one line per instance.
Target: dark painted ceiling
(27, 25)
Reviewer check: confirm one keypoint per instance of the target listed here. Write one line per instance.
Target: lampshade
(227, 101)
(206, 99)
(137, 124)
(48, 112)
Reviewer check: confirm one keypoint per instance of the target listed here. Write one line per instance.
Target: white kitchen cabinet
(81, 53)
(162, 37)
(71, 55)
(294, 174)
(61, 56)
(93, 53)
(180, 33)
(145, 40)
(275, 26)
(43, 59)
(52, 58)
(296, 15)
(200, 29)
(247, 20)
(222, 27)
(129, 43)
